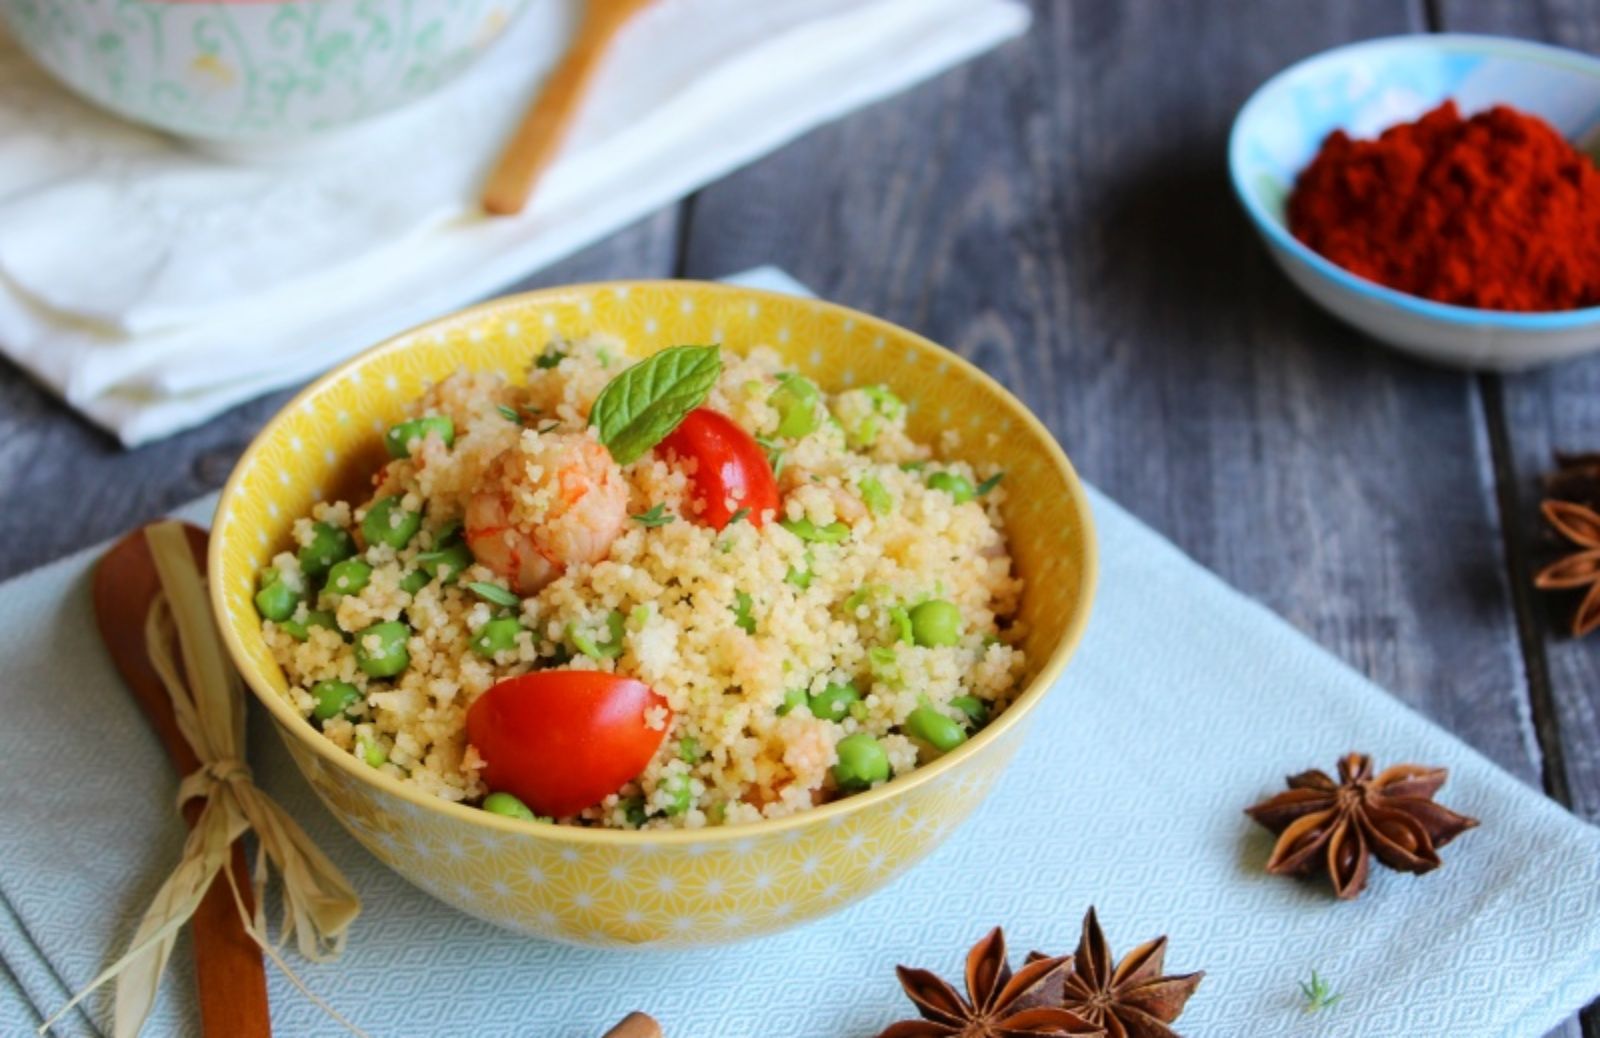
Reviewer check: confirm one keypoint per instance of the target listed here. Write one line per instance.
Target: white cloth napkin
(1186, 703)
(152, 286)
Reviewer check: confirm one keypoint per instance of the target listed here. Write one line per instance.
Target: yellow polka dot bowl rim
(679, 888)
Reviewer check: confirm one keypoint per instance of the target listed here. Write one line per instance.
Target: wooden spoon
(232, 979)
(544, 127)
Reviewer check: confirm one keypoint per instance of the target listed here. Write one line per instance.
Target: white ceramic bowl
(1364, 88)
(259, 72)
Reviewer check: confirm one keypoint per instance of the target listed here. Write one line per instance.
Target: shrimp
(547, 502)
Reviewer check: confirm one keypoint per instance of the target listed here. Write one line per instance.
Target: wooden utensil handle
(231, 977)
(538, 137)
(635, 1025)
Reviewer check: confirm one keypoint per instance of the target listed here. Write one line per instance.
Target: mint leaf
(640, 407)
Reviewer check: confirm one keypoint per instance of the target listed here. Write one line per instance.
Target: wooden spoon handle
(635, 1025)
(228, 967)
(538, 137)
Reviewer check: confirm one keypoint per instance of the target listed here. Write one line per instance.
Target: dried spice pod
(998, 1004)
(1573, 510)
(1337, 826)
(1131, 998)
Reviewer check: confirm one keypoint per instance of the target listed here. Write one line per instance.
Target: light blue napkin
(1186, 703)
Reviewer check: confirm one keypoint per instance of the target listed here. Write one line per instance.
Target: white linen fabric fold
(1186, 703)
(152, 286)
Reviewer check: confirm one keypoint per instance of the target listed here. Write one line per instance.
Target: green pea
(860, 597)
(791, 699)
(975, 709)
(276, 601)
(884, 663)
(372, 752)
(447, 563)
(509, 806)
(689, 749)
(862, 761)
(796, 402)
(936, 622)
(348, 577)
(902, 623)
(387, 523)
(935, 729)
(301, 630)
(333, 698)
(398, 439)
(884, 401)
(677, 787)
(329, 545)
(414, 581)
(496, 636)
(957, 486)
(809, 531)
(876, 496)
(585, 642)
(833, 702)
(381, 649)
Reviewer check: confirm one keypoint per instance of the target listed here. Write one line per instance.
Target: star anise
(1574, 510)
(1132, 999)
(1337, 825)
(1576, 478)
(999, 1004)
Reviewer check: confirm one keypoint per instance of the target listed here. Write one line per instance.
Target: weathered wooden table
(1059, 213)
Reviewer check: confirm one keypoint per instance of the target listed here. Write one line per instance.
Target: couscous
(688, 591)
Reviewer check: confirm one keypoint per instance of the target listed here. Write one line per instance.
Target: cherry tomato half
(563, 740)
(731, 470)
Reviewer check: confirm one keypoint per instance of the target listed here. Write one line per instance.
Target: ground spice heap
(1497, 211)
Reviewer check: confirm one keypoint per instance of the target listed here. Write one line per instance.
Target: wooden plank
(1059, 213)
(1557, 408)
(95, 490)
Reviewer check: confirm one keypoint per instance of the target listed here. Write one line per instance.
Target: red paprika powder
(1496, 211)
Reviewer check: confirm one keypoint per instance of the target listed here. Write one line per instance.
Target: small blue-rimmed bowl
(1364, 88)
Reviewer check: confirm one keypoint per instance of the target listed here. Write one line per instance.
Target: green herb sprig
(657, 516)
(1318, 994)
(493, 593)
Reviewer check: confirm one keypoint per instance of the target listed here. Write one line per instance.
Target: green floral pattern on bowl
(255, 71)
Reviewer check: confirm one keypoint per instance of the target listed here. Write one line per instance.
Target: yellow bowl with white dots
(676, 888)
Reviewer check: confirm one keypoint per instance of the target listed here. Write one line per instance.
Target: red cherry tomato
(563, 740)
(731, 470)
